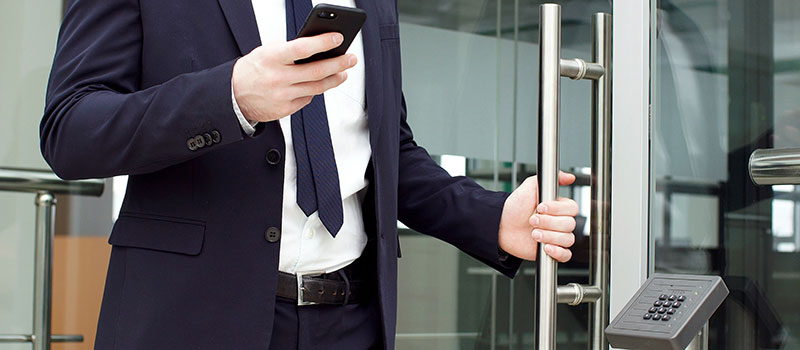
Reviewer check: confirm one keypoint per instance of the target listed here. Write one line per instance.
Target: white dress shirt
(306, 245)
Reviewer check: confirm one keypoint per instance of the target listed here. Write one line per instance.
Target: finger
(560, 239)
(565, 179)
(298, 103)
(554, 223)
(313, 88)
(566, 207)
(558, 253)
(301, 48)
(319, 70)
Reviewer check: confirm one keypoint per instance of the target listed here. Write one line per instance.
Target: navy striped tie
(317, 176)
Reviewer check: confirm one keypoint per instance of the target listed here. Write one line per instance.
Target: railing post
(45, 185)
(43, 269)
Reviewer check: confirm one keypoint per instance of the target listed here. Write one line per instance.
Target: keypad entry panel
(667, 312)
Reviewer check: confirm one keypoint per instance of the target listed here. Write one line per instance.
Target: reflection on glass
(725, 85)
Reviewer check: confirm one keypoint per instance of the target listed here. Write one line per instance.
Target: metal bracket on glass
(775, 166)
(551, 68)
(46, 185)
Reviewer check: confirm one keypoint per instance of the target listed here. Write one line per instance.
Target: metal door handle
(551, 69)
(547, 164)
(775, 166)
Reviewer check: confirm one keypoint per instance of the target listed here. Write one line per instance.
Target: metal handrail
(30, 180)
(45, 185)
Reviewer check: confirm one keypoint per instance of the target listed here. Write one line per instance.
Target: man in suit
(263, 195)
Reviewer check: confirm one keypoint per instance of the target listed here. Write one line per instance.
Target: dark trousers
(330, 327)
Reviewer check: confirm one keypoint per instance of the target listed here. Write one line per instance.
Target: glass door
(470, 71)
(726, 84)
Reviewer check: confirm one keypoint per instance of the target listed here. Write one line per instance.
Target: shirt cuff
(248, 126)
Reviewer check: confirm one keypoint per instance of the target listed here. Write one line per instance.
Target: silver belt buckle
(301, 288)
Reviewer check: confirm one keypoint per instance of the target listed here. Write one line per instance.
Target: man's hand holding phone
(268, 85)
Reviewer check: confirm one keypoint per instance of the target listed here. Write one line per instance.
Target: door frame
(631, 180)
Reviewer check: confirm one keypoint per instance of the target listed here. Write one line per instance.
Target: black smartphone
(326, 18)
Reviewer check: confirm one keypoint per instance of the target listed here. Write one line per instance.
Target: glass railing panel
(28, 32)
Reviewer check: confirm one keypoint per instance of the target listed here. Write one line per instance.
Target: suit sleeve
(98, 122)
(454, 209)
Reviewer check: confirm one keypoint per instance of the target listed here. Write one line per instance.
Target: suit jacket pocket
(166, 234)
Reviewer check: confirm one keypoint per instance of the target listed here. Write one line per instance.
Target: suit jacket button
(192, 144)
(215, 136)
(200, 140)
(273, 234)
(273, 156)
(209, 139)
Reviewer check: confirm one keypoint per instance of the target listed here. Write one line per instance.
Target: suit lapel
(373, 68)
(242, 21)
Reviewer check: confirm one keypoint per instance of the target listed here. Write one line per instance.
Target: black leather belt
(335, 288)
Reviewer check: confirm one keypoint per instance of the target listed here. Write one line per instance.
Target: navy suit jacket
(133, 81)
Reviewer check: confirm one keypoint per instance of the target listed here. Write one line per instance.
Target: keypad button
(662, 310)
(676, 305)
(657, 317)
(665, 318)
(662, 297)
(652, 309)
(658, 303)
(681, 298)
(647, 316)
(671, 311)
(667, 303)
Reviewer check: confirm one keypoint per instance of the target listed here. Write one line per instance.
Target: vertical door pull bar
(549, 114)
(600, 229)
(551, 68)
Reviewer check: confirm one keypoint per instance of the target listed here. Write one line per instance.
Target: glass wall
(470, 77)
(27, 37)
(726, 83)
(28, 31)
